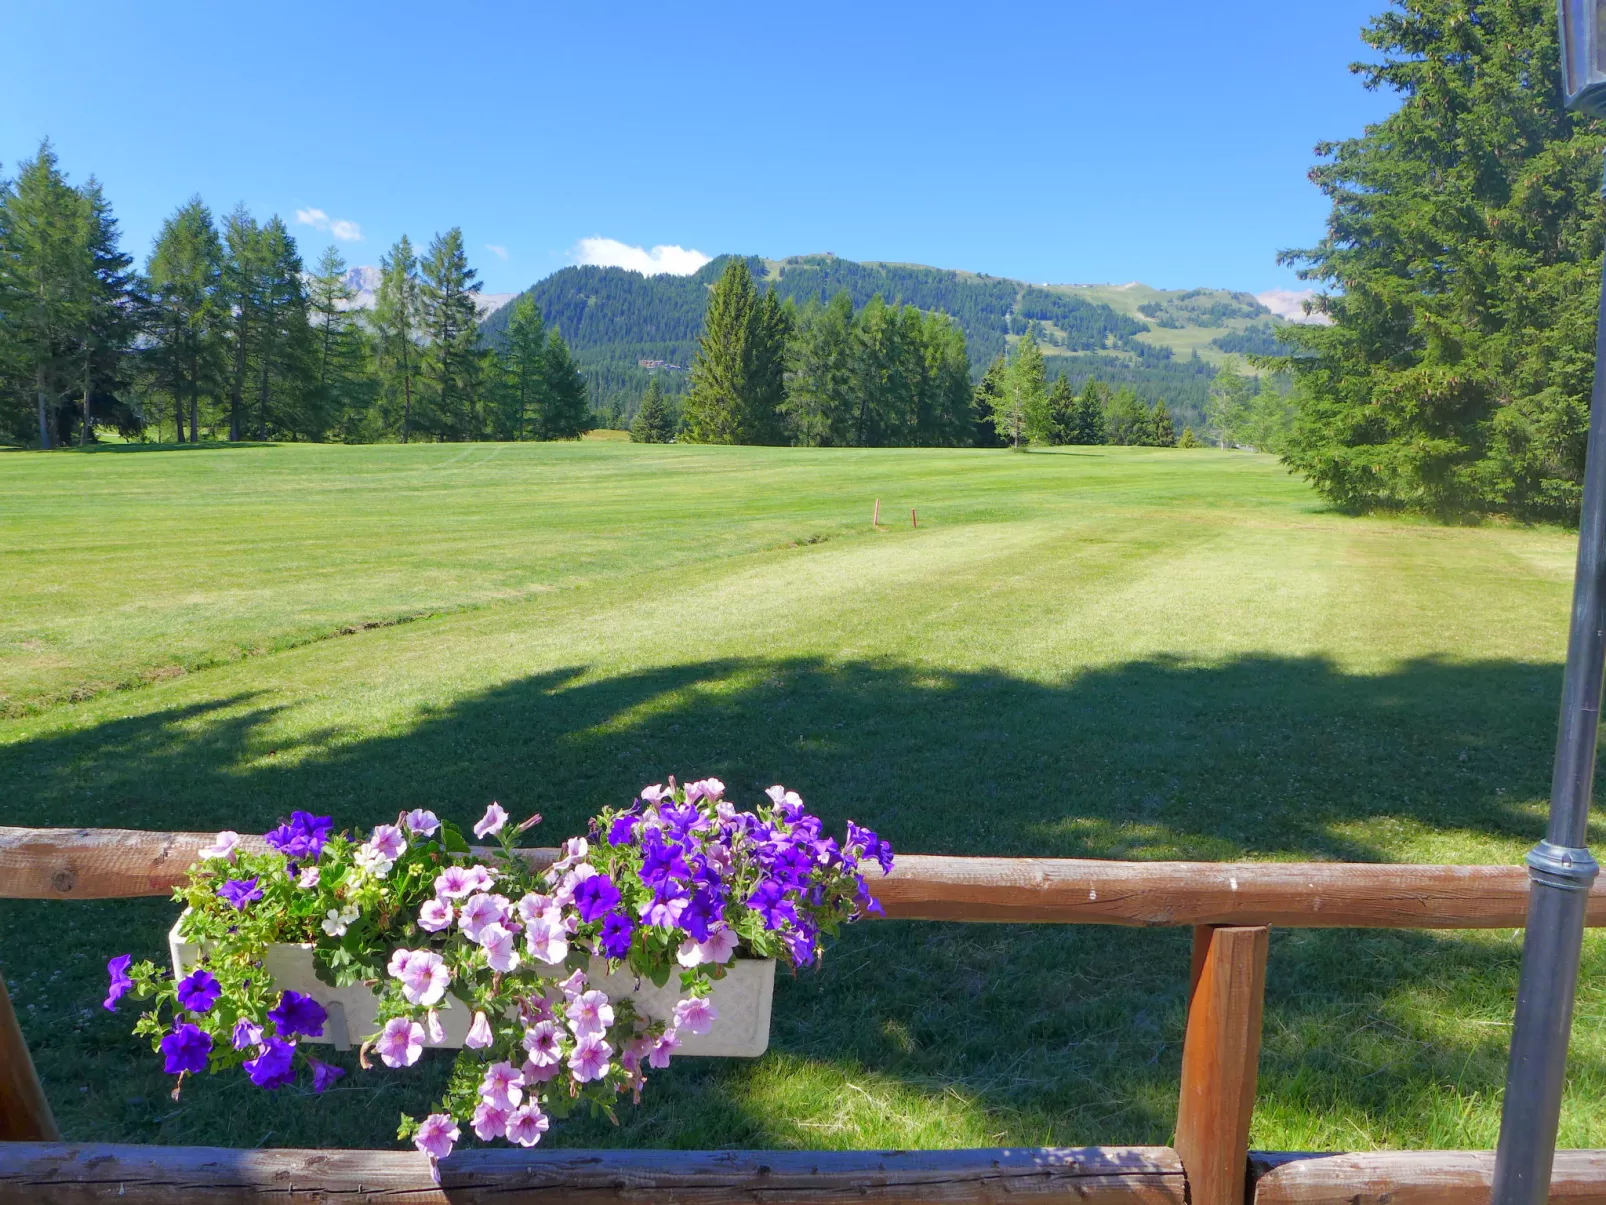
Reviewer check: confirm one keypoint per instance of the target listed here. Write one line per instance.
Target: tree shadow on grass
(922, 1034)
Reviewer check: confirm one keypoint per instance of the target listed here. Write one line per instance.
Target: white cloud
(497, 250)
(1290, 304)
(611, 253)
(346, 232)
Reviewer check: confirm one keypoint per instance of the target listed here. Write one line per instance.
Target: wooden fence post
(24, 1112)
(1220, 1058)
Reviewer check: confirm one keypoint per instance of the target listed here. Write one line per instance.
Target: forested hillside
(615, 319)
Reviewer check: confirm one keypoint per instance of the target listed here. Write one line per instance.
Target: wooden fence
(1230, 907)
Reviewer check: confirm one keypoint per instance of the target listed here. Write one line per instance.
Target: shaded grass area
(1106, 652)
(914, 1034)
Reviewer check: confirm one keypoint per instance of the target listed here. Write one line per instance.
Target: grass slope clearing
(1097, 652)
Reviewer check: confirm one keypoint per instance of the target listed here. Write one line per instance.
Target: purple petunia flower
(198, 991)
(617, 929)
(246, 1033)
(594, 896)
(272, 1068)
(869, 845)
(296, 1013)
(117, 968)
(623, 829)
(324, 1074)
(239, 892)
(186, 1048)
(301, 836)
(770, 902)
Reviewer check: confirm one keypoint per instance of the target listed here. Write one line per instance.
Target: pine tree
(521, 357)
(821, 391)
(107, 314)
(987, 397)
(1087, 425)
(566, 407)
(738, 380)
(398, 323)
(1463, 263)
(63, 290)
(1127, 420)
(342, 387)
(285, 356)
(241, 286)
(451, 323)
(1189, 440)
(945, 417)
(1061, 410)
(1162, 427)
(185, 347)
(1020, 410)
(653, 424)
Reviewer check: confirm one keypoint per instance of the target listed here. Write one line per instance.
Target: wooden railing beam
(49, 1174)
(1220, 1062)
(1412, 1178)
(111, 863)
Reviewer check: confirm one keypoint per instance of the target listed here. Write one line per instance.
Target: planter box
(742, 1000)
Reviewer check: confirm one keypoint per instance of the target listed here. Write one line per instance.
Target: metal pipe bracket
(1568, 867)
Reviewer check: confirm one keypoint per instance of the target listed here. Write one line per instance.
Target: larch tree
(451, 324)
(521, 357)
(340, 355)
(240, 303)
(565, 401)
(1087, 423)
(184, 272)
(398, 326)
(738, 380)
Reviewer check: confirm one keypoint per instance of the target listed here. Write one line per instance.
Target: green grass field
(1115, 652)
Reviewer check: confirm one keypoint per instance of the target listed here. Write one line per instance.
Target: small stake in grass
(914, 518)
(875, 519)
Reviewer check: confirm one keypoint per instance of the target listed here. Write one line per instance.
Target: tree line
(829, 374)
(227, 335)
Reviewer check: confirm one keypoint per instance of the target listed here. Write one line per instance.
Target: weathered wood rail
(45, 863)
(1230, 907)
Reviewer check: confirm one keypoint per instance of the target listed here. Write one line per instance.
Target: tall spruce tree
(653, 424)
(1061, 410)
(184, 333)
(565, 401)
(823, 385)
(453, 353)
(738, 380)
(108, 309)
(241, 285)
(1127, 420)
(398, 328)
(1462, 255)
(1088, 425)
(1162, 427)
(945, 415)
(285, 401)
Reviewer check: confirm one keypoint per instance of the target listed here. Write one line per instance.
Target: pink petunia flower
(224, 845)
(424, 978)
(573, 985)
(654, 793)
(717, 949)
(575, 850)
(590, 1013)
(503, 1085)
(526, 1125)
(541, 1043)
(436, 1136)
(401, 1042)
(501, 954)
(477, 912)
(663, 913)
(589, 1059)
(696, 1014)
(434, 915)
(437, 1032)
(398, 962)
(534, 1074)
(665, 1045)
(479, 1033)
(387, 839)
(421, 822)
(491, 823)
(489, 1121)
(547, 940)
(307, 880)
(533, 907)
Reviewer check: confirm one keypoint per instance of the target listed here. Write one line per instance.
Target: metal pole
(1560, 869)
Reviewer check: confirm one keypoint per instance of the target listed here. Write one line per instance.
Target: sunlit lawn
(1090, 652)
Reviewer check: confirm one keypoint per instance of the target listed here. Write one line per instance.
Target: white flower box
(741, 999)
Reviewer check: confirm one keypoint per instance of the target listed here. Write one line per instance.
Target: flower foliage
(679, 883)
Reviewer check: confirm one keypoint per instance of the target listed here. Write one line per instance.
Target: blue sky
(1072, 140)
